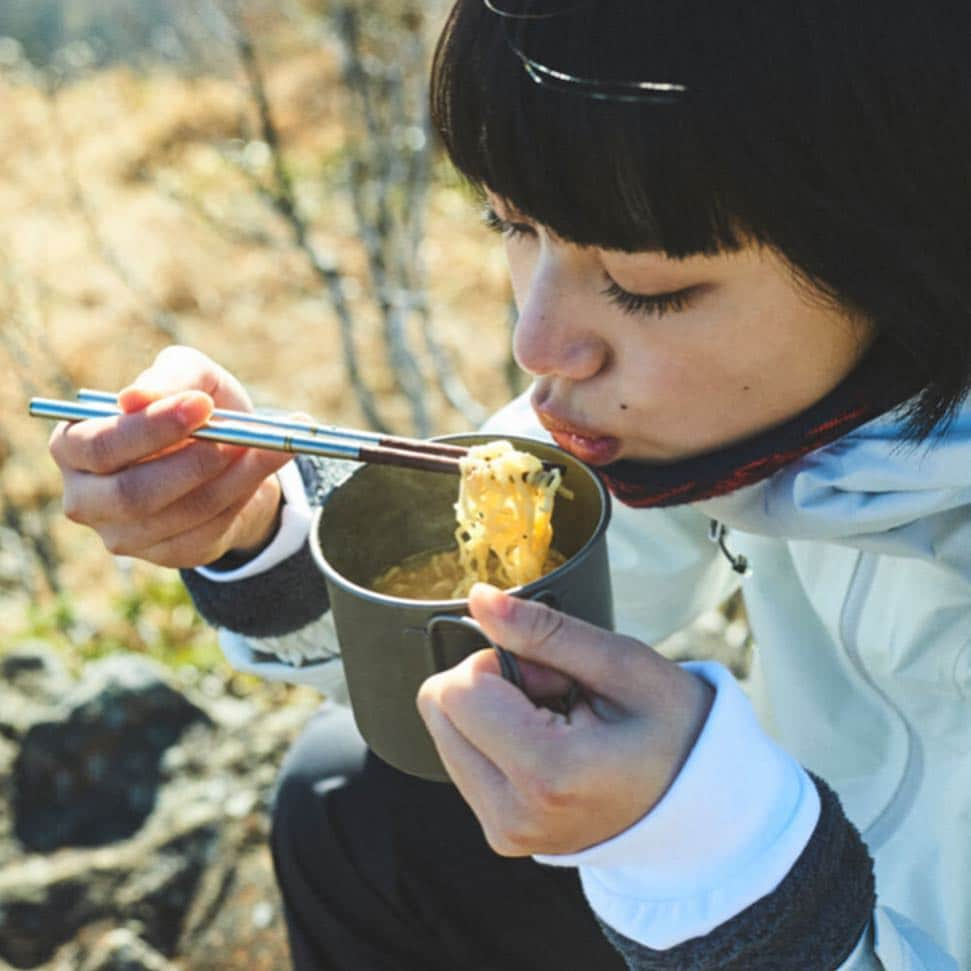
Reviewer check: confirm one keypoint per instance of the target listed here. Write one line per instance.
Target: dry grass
(81, 286)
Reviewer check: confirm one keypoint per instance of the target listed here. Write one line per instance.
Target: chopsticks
(279, 434)
(330, 431)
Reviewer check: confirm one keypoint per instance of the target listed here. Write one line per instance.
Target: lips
(586, 444)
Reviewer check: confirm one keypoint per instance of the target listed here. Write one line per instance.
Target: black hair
(837, 132)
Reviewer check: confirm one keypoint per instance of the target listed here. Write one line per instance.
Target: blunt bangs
(835, 133)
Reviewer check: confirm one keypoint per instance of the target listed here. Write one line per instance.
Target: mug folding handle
(507, 662)
(508, 665)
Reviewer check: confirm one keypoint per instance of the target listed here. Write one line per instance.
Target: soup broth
(440, 575)
(503, 529)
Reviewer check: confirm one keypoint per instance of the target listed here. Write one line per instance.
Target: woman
(737, 236)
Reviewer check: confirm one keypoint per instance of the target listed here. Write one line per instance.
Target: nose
(551, 337)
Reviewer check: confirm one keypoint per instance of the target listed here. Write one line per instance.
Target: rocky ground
(134, 818)
(134, 811)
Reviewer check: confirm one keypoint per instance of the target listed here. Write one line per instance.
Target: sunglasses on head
(530, 12)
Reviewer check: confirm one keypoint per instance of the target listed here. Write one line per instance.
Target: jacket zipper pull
(716, 533)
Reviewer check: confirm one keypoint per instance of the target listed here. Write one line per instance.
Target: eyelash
(652, 305)
(497, 224)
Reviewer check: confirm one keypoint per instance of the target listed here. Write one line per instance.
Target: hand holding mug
(543, 782)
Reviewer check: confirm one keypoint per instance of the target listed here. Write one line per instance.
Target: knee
(292, 802)
(322, 759)
(297, 810)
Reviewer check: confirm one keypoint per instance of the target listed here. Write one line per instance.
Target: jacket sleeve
(289, 593)
(747, 862)
(271, 610)
(813, 919)
(805, 926)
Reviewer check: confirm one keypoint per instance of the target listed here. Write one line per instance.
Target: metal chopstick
(278, 441)
(305, 428)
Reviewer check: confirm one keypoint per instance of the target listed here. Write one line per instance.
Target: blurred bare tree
(387, 160)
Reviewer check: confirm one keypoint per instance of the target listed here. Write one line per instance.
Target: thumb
(605, 663)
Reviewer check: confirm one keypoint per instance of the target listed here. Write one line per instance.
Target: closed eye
(505, 227)
(653, 304)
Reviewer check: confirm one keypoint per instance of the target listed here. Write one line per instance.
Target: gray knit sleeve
(284, 599)
(812, 920)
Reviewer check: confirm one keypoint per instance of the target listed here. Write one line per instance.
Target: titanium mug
(379, 516)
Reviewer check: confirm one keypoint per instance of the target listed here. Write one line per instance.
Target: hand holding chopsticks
(278, 434)
(141, 478)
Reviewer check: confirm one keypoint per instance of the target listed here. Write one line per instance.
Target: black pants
(381, 871)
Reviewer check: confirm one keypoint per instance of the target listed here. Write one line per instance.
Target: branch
(283, 200)
(226, 230)
(25, 328)
(394, 242)
(375, 232)
(34, 534)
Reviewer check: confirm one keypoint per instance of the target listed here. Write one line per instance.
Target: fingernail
(133, 389)
(193, 408)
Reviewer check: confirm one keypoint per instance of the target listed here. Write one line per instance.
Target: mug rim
(453, 604)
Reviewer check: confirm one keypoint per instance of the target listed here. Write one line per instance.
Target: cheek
(658, 371)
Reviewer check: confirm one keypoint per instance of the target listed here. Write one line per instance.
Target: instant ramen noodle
(504, 529)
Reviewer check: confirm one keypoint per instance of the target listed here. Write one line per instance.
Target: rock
(46, 900)
(134, 819)
(122, 950)
(32, 677)
(35, 669)
(89, 774)
(8, 845)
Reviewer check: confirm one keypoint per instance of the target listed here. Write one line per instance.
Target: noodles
(505, 510)
(504, 514)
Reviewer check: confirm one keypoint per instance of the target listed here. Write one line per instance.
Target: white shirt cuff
(295, 518)
(724, 835)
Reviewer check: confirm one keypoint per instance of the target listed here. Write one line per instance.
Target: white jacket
(860, 603)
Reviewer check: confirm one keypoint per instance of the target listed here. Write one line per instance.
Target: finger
(615, 667)
(178, 368)
(192, 511)
(142, 490)
(195, 547)
(467, 767)
(543, 684)
(483, 786)
(538, 683)
(104, 446)
(524, 741)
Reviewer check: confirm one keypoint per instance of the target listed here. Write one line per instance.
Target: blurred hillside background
(256, 179)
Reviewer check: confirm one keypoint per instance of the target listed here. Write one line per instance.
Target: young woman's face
(639, 356)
